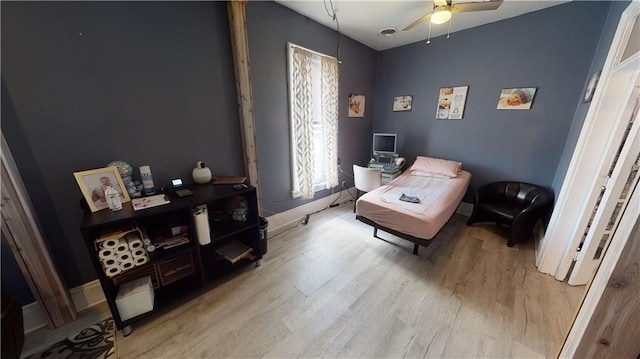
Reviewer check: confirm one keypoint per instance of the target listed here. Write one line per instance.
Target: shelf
(182, 271)
(223, 229)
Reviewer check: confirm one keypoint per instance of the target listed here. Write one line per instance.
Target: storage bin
(135, 298)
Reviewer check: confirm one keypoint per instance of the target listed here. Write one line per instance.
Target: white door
(575, 228)
(621, 181)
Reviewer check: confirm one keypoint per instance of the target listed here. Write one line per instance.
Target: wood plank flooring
(330, 289)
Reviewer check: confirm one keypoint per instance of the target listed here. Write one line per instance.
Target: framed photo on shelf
(356, 105)
(93, 183)
(591, 87)
(516, 98)
(402, 103)
(451, 102)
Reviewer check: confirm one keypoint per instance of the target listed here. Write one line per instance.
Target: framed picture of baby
(356, 106)
(94, 183)
(516, 98)
(451, 102)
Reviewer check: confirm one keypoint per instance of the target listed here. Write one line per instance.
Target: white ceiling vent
(388, 31)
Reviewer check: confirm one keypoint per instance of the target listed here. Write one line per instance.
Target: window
(313, 105)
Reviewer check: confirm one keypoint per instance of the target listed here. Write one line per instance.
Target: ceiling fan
(442, 10)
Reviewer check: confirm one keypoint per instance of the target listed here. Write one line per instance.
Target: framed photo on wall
(356, 105)
(591, 87)
(93, 183)
(516, 98)
(451, 102)
(402, 103)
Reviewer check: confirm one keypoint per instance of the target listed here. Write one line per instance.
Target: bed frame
(415, 240)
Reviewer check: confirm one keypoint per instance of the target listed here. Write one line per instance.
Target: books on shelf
(148, 202)
(234, 251)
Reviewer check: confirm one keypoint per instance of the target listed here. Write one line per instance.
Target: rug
(96, 341)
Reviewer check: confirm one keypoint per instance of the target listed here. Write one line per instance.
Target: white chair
(365, 179)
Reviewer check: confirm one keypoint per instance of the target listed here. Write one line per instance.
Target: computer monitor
(384, 144)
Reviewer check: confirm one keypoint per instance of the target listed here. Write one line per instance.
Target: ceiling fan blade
(417, 22)
(476, 6)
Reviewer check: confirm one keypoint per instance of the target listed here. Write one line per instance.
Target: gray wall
(549, 49)
(88, 83)
(606, 36)
(270, 27)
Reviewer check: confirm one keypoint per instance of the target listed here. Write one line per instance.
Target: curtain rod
(290, 44)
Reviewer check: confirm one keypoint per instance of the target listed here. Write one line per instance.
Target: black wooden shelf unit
(187, 268)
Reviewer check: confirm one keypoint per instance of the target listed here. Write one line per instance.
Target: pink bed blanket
(439, 199)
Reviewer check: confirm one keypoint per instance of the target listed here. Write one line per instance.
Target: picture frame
(402, 103)
(591, 87)
(451, 101)
(516, 98)
(92, 183)
(356, 105)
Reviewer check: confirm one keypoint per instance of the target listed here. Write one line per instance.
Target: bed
(439, 184)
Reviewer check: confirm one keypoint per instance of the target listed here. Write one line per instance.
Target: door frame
(591, 158)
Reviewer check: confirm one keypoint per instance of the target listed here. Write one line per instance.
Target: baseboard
(286, 220)
(83, 297)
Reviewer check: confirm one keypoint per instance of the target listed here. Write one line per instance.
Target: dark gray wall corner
(494, 144)
(270, 26)
(91, 82)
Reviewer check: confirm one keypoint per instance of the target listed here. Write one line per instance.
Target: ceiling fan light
(441, 14)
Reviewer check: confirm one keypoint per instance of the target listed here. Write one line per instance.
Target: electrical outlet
(338, 162)
(344, 184)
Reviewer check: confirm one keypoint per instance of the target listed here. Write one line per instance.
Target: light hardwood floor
(329, 289)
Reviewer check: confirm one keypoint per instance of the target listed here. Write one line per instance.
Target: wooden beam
(240, 49)
(21, 229)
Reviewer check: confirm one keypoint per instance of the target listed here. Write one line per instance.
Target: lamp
(441, 14)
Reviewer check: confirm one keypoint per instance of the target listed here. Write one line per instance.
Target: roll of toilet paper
(112, 270)
(151, 248)
(138, 261)
(146, 241)
(125, 265)
(106, 253)
(108, 262)
(138, 253)
(201, 220)
(123, 257)
(110, 243)
(135, 243)
(122, 246)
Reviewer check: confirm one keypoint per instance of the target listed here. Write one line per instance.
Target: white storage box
(135, 298)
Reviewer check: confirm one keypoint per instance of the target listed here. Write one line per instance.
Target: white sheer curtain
(314, 121)
(330, 119)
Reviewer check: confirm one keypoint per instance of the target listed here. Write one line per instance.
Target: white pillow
(436, 166)
(427, 174)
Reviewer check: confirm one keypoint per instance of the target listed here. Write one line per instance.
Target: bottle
(113, 199)
(147, 180)
(201, 174)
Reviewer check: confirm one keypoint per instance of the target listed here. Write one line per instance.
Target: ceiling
(363, 20)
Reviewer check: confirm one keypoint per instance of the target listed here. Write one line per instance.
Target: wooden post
(21, 229)
(240, 49)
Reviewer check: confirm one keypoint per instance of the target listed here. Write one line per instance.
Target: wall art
(356, 105)
(516, 98)
(591, 87)
(402, 103)
(451, 102)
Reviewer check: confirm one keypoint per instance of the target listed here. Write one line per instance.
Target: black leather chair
(517, 204)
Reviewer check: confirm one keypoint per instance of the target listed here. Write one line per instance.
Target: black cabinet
(175, 261)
